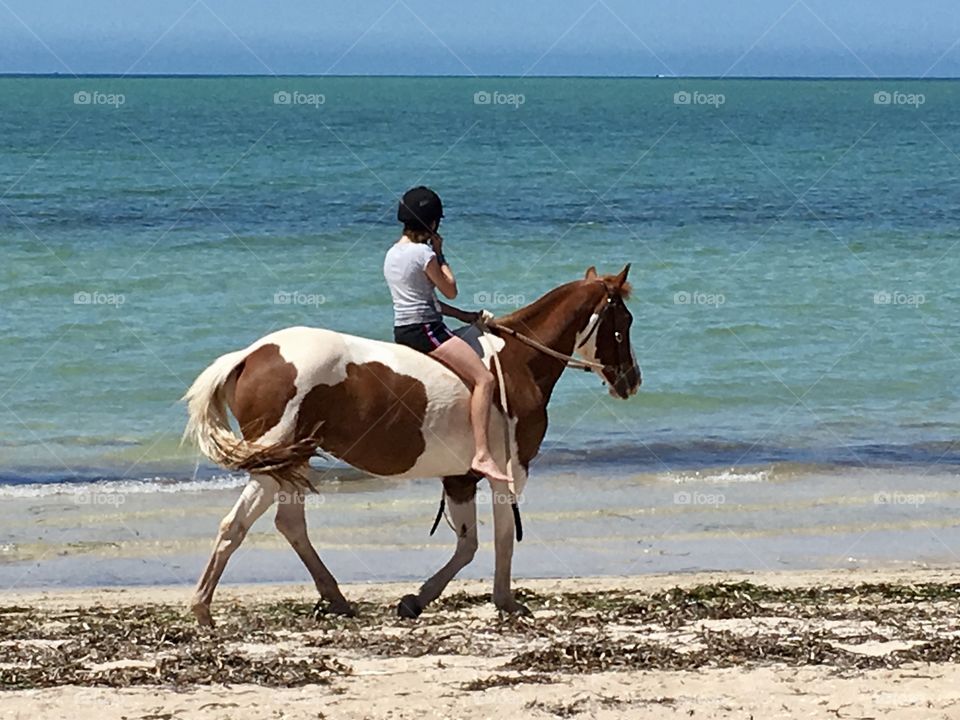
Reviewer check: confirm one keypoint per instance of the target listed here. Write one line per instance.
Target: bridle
(620, 334)
(486, 321)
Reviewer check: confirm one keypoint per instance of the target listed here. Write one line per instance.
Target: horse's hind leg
(256, 497)
(291, 521)
(460, 492)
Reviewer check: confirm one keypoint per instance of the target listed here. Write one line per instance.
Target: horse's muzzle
(626, 382)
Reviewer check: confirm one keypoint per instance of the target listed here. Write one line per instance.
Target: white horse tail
(208, 425)
(209, 428)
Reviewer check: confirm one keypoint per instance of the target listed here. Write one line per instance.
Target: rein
(570, 360)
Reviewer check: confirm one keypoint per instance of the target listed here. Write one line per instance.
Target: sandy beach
(813, 644)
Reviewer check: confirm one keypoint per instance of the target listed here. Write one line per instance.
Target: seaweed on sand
(282, 644)
(146, 645)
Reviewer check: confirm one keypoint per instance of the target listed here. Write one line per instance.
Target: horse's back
(322, 355)
(379, 406)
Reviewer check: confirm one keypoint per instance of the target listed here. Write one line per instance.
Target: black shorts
(423, 337)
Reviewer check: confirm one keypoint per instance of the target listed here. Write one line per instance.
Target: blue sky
(512, 37)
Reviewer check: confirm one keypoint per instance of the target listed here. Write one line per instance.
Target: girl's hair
(417, 234)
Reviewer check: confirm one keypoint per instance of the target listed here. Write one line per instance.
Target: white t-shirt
(414, 295)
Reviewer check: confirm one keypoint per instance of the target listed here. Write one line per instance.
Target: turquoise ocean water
(793, 246)
(794, 251)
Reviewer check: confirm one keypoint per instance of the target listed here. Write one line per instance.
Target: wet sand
(818, 644)
(367, 530)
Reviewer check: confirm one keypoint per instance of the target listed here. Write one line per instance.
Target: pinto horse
(393, 412)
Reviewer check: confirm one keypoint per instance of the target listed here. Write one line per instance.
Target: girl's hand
(436, 242)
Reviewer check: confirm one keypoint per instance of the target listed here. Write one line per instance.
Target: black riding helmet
(419, 208)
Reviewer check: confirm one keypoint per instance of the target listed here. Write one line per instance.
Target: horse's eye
(618, 336)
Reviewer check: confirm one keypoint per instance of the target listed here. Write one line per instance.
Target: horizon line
(120, 76)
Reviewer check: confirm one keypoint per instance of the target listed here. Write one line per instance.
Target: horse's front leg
(460, 492)
(503, 534)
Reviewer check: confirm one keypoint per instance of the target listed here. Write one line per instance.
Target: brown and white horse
(393, 412)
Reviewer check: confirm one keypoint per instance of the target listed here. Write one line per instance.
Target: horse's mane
(522, 316)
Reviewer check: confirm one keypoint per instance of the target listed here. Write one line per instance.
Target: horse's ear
(591, 273)
(621, 279)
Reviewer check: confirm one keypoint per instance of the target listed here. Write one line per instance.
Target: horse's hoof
(409, 607)
(202, 614)
(514, 609)
(343, 609)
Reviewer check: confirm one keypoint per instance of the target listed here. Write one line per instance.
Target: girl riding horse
(415, 268)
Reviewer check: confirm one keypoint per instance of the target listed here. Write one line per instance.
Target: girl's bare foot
(487, 467)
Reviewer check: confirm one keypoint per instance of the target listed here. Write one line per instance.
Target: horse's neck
(554, 320)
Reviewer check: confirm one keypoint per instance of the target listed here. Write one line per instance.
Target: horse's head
(606, 337)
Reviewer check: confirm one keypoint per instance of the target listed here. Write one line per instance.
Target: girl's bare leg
(463, 360)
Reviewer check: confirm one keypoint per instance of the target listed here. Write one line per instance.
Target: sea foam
(123, 487)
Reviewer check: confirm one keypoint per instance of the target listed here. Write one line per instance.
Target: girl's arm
(464, 316)
(442, 276)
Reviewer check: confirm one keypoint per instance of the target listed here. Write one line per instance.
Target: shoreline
(378, 592)
(603, 453)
